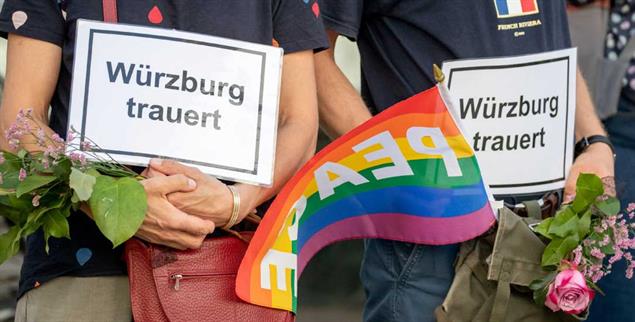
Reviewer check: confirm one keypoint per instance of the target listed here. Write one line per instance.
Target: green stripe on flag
(427, 173)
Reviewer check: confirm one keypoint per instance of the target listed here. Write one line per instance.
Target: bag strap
(533, 209)
(110, 11)
(503, 293)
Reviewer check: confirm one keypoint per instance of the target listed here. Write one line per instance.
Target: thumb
(175, 183)
(569, 187)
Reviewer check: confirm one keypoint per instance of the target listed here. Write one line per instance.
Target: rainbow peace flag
(407, 174)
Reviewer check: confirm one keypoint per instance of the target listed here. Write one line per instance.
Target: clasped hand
(184, 205)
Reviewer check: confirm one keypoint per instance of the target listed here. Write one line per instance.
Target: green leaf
(558, 249)
(543, 282)
(118, 206)
(62, 169)
(609, 207)
(541, 287)
(56, 224)
(597, 237)
(10, 169)
(595, 287)
(75, 198)
(82, 184)
(93, 172)
(564, 224)
(17, 210)
(33, 182)
(584, 225)
(588, 188)
(543, 228)
(6, 192)
(9, 243)
(22, 153)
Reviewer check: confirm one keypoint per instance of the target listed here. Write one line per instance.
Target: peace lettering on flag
(407, 174)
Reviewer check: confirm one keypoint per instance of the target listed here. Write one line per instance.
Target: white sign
(518, 113)
(209, 102)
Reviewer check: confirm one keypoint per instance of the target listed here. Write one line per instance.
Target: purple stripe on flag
(430, 231)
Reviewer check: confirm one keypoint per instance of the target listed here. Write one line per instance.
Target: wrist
(596, 143)
(249, 198)
(600, 148)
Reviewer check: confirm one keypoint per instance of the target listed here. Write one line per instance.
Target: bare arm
(297, 126)
(32, 70)
(598, 158)
(341, 107)
(297, 136)
(33, 67)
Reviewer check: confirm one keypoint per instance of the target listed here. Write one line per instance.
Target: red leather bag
(192, 286)
(189, 286)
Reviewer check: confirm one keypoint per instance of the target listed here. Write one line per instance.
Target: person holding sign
(83, 278)
(399, 41)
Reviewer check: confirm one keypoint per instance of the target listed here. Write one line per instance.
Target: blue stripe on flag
(408, 200)
(501, 5)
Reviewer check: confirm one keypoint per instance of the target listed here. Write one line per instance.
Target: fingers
(570, 186)
(609, 186)
(170, 167)
(194, 225)
(150, 172)
(171, 227)
(178, 241)
(168, 184)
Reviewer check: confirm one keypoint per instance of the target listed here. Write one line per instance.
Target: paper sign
(209, 102)
(518, 114)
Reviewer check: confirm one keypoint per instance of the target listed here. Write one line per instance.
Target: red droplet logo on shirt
(155, 16)
(316, 9)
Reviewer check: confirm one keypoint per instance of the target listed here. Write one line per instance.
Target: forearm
(32, 71)
(297, 128)
(340, 105)
(586, 121)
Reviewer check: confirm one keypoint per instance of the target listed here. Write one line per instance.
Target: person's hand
(166, 225)
(211, 200)
(597, 159)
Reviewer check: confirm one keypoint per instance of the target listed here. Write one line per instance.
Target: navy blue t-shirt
(292, 24)
(400, 40)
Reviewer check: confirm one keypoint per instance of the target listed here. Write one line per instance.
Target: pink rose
(569, 293)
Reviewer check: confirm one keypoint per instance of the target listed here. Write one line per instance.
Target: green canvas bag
(493, 273)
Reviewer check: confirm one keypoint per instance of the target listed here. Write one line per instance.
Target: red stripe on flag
(528, 5)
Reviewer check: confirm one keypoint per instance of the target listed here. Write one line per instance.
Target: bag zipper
(178, 277)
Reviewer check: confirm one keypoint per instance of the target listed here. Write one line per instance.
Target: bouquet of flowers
(40, 189)
(586, 238)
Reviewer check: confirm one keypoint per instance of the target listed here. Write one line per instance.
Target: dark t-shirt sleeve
(343, 16)
(39, 19)
(297, 26)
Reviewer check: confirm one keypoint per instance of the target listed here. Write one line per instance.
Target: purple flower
(57, 139)
(577, 253)
(86, 146)
(36, 200)
(75, 157)
(22, 175)
(597, 253)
